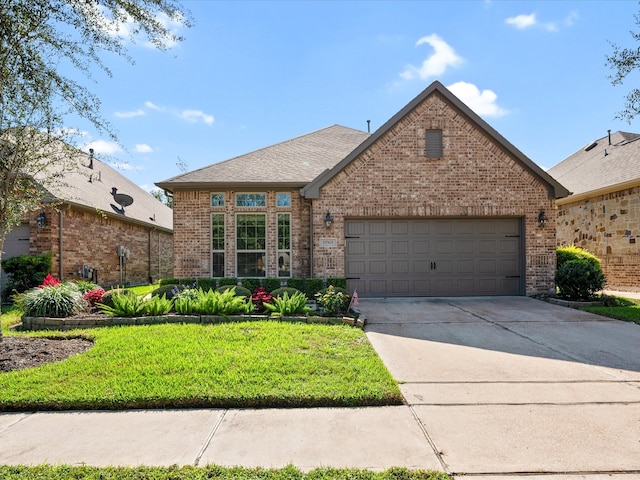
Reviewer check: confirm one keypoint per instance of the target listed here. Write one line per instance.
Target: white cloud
(443, 56)
(143, 148)
(125, 166)
(522, 21)
(194, 116)
(131, 114)
(153, 106)
(483, 103)
(104, 147)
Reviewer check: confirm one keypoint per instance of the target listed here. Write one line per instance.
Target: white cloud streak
(522, 21)
(103, 147)
(443, 57)
(193, 116)
(483, 103)
(131, 114)
(143, 148)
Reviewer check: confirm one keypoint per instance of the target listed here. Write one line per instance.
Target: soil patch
(17, 353)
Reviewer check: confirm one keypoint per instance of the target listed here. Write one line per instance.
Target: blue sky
(251, 74)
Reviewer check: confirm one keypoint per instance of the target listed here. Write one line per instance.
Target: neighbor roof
(600, 164)
(91, 188)
(292, 163)
(556, 190)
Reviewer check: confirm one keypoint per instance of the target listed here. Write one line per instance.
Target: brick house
(434, 203)
(99, 226)
(602, 215)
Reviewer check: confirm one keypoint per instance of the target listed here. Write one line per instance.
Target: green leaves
(287, 305)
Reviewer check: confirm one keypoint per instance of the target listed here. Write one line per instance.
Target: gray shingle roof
(601, 164)
(292, 163)
(96, 194)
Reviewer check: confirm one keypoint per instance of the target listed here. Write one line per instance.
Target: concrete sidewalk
(496, 388)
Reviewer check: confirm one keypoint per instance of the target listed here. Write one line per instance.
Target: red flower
(50, 281)
(259, 296)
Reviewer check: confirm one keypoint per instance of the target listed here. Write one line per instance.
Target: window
(217, 245)
(217, 199)
(434, 143)
(284, 244)
(251, 199)
(251, 241)
(283, 200)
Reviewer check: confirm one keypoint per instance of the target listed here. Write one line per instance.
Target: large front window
(251, 241)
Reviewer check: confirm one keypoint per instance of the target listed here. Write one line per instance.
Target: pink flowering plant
(93, 297)
(50, 281)
(259, 297)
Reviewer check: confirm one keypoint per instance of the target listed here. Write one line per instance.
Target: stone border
(571, 303)
(94, 321)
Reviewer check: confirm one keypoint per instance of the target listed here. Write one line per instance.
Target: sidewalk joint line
(432, 444)
(205, 445)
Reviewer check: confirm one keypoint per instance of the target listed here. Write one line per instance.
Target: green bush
(85, 285)
(338, 282)
(239, 291)
(579, 279)
(250, 283)
(107, 298)
(222, 303)
(571, 252)
(26, 271)
(233, 281)
(333, 300)
(168, 290)
(125, 304)
(207, 283)
(287, 305)
(157, 306)
(313, 286)
(59, 301)
(297, 283)
(279, 292)
(270, 284)
(169, 281)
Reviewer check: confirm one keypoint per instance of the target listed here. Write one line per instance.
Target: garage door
(437, 257)
(16, 243)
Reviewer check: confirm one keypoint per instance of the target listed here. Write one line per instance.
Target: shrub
(169, 281)
(239, 291)
(579, 279)
(297, 283)
(59, 301)
(288, 305)
(94, 296)
(214, 302)
(279, 292)
(157, 305)
(313, 286)
(571, 252)
(107, 298)
(333, 300)
(169, 290)
(270, 284)
(232, 281)
(185, 301)
(26, 271)
(207, 283)
(125, 304)
(337, 282)
(85, 285)
(250, 283)
(259, 297)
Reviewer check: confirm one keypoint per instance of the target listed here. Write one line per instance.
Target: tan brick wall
(609, 227)
(192, 227)
(475, 178)
(92, 239)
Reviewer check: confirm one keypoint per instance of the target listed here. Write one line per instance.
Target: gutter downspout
(60, 243)
(310, 203)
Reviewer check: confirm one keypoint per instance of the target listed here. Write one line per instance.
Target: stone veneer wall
(92, 239)
(475, 177)
(609, 227)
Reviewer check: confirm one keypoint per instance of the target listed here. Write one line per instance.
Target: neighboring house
(603, 213)
(435, 202)
(100, 226)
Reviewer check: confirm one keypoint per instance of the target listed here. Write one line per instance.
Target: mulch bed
(17, 353)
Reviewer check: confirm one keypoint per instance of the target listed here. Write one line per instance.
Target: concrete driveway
(515, 386)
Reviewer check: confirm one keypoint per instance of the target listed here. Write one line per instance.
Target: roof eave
(234, 186)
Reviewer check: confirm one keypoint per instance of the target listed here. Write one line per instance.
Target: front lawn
(622, 309)
(227, 365)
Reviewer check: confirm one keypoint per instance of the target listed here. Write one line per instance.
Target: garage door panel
(435, 257)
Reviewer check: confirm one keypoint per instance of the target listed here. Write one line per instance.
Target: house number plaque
(329, 242)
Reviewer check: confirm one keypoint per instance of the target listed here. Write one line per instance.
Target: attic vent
(590, 147)
(434, 143)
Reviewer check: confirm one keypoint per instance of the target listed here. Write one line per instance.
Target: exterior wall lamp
(542, 219)
(41, 220)
(328, 220)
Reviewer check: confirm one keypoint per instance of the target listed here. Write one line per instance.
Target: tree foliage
(624, 61)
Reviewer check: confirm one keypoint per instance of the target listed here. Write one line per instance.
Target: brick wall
(475, 178)
(92, 239)
(607, 226)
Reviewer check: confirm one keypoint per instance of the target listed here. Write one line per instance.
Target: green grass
(64, 472)
(626, 309)
(237, 364)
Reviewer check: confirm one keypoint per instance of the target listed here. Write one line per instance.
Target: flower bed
(100, 320)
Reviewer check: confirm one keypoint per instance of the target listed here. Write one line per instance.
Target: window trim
(263, 194)
(283, 251)
(263, 251)
(215, 251)
(224, 199)
(433, 143)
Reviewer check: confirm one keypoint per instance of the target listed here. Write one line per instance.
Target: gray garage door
(438, 257)
(16, 243)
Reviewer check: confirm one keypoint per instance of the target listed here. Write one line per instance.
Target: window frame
(283, 251)
(260, 270)
(433, 143)
(255, 195)
(217, 251)
(223, 197)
